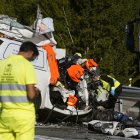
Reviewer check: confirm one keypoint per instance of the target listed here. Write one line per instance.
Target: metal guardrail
(132, 93)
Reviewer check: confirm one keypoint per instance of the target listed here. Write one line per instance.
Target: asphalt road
(55, 132)
(62, 132)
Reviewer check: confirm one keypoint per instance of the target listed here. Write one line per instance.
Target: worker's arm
(31, 91)
(107, 79)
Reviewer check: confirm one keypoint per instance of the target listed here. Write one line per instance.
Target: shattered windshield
(11, 22)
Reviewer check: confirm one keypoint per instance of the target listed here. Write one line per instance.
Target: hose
(77, 116)
(65, 117)
(50, 113)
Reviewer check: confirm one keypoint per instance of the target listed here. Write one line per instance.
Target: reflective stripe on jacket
(16, 72)
(108, 82)
(17, 96)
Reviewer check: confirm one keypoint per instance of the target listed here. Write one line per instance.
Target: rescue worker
(67, 61)
(64, 64)
(76, 81)
(69, 79)
(17, 82)
(113, 88)
(67, 83)
(78, 55)
(69, 90)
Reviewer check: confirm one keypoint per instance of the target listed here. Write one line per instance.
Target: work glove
(100, 108)
(60, 85)
(95, 71)
(113, 91)
(81, 61)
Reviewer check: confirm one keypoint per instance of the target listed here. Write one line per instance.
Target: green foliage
(95, 28)
(24, 11)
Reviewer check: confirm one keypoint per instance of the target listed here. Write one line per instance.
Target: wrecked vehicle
(12, 34)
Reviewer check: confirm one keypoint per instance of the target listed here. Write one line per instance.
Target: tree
(95, 28)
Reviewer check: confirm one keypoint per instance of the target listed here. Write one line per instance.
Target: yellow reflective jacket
(109, 82)
(15, 73)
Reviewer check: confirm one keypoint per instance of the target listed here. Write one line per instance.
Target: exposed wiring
(66, 117)
(50, 113)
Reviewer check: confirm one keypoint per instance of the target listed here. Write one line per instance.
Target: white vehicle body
(10, 27)
(12, 34)
(9, 47)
